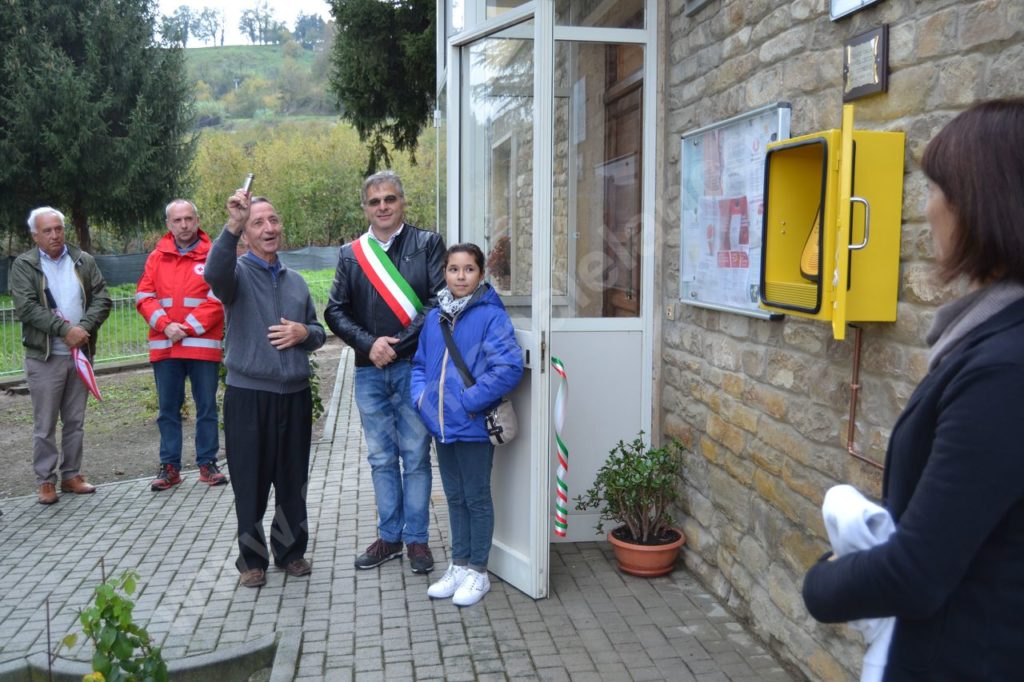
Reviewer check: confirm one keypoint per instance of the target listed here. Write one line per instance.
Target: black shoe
(379, 552)
(420, 558)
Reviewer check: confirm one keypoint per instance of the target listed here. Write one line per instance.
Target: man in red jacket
(186, 332)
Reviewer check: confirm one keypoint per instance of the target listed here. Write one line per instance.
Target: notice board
(721, 209)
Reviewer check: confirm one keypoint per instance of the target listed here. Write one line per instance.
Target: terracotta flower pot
(646, 561)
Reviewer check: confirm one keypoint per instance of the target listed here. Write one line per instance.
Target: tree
(183, 15)
(309, 30)
(206, 24)
(248, 24)
(276, 32)
(170, 31)
(383, 71)
(258, 24)
(307, 170)
(95, 117)
(178, 27)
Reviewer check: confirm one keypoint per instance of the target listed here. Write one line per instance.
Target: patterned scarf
(452, 306)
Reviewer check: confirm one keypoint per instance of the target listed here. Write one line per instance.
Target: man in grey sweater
(268, 410)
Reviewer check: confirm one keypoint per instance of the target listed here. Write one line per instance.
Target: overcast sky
(283, 10)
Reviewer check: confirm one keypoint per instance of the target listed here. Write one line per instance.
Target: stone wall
(763, 406)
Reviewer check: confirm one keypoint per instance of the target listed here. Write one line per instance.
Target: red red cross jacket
(172, 289)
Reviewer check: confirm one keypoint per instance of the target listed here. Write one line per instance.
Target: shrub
(636, 488)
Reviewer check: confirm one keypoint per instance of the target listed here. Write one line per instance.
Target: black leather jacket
(359, 315)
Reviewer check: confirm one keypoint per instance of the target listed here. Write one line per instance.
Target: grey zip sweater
(253, 300)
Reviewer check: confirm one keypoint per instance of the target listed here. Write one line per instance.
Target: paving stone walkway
(366, 625)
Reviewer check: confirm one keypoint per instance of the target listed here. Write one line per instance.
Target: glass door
(598, 254)
(550, 172)
(496, 152)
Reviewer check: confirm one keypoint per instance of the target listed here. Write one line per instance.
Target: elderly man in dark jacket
(384, 284)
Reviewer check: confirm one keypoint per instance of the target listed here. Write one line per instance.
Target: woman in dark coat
(953, 572)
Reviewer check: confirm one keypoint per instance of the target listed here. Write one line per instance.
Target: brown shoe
(254, 577)
(47, 493)
(77, 485)
(298, 568)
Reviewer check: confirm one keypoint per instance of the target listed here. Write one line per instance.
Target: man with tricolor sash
(383, 286)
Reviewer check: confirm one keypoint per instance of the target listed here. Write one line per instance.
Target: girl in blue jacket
(454, 414)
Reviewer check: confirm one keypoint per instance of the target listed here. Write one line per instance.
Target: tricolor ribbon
(85, 372)
(562, 490)
(78, 356)
(82, 365)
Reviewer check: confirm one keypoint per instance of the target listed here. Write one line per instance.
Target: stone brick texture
(763, 406)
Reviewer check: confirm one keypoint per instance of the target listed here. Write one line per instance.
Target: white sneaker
(449, 582)
(474, 586)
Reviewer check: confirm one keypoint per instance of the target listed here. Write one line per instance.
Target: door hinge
(543, 353)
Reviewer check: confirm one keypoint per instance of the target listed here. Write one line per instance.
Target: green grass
(211, 64)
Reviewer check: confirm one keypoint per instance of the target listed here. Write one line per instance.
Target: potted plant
(499, 263)
(635, 489)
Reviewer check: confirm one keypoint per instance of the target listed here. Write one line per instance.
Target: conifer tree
(95, 117)
(383, 70)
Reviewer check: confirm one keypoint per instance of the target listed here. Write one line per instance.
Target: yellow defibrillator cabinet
(831, 225)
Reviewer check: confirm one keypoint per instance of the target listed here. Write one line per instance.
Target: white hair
(167, 208)
(43, 210)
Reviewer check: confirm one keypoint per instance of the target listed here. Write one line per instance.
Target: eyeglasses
(375, 202)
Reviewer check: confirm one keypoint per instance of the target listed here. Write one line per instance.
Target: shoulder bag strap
(453, 351)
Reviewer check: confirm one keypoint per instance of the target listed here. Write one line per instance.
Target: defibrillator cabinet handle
(867, 222)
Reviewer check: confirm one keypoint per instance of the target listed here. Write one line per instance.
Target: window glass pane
(497, 160)
(456, 16)
(441, 154)
(597, 211)
(498, 7)
(602, 13)
(454, 22)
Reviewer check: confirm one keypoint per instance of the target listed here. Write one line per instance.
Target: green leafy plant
(314, 387)
(124, 650)
(636, 488)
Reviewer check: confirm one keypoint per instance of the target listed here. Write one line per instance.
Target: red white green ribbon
(386, 279)
(562, 490)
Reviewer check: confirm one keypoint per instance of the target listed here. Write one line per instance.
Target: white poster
(721, 206)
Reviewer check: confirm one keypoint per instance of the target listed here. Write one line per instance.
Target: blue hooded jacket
(483, 333)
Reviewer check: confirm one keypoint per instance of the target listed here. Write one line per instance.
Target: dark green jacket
(38, 323)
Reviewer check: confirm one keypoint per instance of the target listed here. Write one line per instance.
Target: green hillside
(258, 81)
(220, 65)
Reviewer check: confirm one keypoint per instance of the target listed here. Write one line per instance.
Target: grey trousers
(56, 391)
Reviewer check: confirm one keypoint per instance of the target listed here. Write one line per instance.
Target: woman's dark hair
(471, 249)
(977, 161)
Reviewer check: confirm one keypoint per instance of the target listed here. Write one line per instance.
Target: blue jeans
(466, 478)
(170, 391)
(394, 432)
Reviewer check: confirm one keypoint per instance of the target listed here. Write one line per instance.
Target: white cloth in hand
(855, 523)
